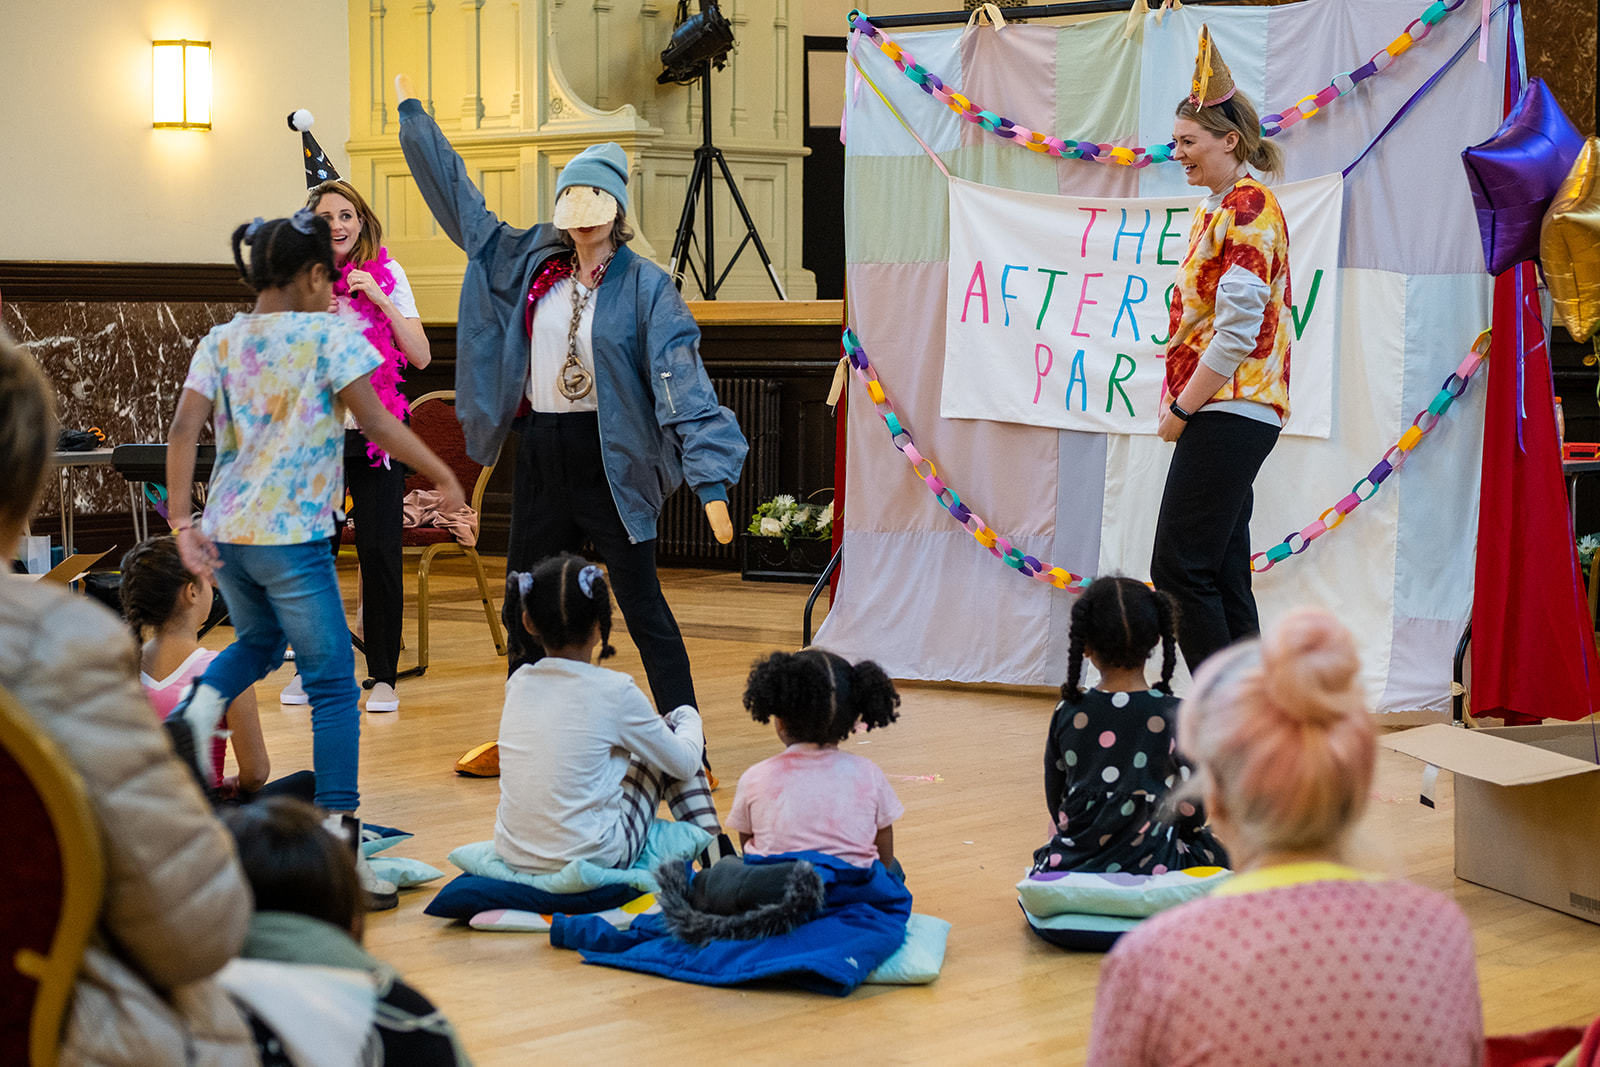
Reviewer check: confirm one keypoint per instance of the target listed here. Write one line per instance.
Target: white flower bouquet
(784, 516)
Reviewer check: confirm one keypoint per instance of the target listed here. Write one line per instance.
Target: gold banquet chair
(433, 418)
(55, 880)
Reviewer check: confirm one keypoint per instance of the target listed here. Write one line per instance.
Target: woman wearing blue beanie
(586, 349)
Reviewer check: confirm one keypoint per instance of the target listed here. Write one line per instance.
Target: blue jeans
(283, 594)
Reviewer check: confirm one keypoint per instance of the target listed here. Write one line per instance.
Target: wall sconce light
(182, 97)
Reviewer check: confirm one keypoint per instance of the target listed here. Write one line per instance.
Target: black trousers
(559, 501)
(302, 785)
(1202, 549)
(377, 496)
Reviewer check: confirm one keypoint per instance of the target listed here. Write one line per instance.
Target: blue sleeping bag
(861, 924)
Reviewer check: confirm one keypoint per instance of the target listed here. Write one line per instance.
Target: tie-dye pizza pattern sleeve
(1246, 230)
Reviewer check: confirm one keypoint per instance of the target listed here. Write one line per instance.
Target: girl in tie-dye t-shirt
(276, 382)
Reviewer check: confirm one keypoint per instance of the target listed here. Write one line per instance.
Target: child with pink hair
(1299, 957)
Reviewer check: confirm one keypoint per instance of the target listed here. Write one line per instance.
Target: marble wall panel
(1560, 40)
(115, 365)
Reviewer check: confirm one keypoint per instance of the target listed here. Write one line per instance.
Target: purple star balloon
(1515, 174)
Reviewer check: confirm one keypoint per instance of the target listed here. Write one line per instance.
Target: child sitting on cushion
(309, 910)
(585, 761)
(163, 600)
(811, 796)
(1111, 755)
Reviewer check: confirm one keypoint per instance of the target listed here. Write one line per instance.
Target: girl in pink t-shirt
(163, 601)
(811, 796)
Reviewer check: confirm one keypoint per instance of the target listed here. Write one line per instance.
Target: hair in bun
(1280, 728)
(1310, 669)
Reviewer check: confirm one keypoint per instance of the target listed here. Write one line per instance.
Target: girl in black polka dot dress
(1112, 755)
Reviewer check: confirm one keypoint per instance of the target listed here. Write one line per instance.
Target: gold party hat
(1213, 81)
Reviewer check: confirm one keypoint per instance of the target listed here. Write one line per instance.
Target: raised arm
(441, 176)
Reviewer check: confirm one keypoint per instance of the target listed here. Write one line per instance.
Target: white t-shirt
(404, 301)
(552, 317)
(567, 734)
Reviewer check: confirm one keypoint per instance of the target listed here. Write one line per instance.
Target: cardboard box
(72, 568)
(1527, 808)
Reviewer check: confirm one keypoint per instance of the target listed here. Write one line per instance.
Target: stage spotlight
(698, 40)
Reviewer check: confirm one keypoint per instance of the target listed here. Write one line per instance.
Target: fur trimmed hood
(735, 901)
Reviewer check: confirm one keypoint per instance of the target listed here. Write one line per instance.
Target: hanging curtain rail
(1030, 11)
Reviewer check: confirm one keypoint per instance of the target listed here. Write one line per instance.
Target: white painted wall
(83, 176)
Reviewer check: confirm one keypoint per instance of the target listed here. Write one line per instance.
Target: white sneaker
(383, 698)
(381, 894)
(293, 694)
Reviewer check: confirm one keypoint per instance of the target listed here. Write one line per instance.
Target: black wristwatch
(1176, 410)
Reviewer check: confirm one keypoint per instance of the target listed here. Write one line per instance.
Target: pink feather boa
(379, 331)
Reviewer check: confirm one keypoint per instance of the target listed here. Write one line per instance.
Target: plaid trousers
(643, 790)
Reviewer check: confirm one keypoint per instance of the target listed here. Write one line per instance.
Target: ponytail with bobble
(873, 699)
(521, 646)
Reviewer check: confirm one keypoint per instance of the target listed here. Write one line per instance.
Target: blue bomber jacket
(660, 423)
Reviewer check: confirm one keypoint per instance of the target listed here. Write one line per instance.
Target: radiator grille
(683, 535)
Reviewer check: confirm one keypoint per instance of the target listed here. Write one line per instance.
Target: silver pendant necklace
(574, 380)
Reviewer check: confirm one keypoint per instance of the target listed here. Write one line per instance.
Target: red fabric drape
(1533, 650)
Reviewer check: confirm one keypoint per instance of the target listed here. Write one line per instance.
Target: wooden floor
(965, 762)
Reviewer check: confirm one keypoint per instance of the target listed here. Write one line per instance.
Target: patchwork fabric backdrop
(917, 592)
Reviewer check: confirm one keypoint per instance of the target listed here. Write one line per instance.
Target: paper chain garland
(1033, 140)
(1031, 567)
(1392, 460)
(1001, 548)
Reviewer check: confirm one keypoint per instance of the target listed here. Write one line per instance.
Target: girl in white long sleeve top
(585, 761)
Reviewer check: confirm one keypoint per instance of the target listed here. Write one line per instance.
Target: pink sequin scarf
(386, 380)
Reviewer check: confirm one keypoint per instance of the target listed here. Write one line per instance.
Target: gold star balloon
(1569, 245)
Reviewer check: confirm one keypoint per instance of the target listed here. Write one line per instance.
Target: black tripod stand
(700, 184)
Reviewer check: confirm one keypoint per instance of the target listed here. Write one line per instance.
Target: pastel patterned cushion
(920, 957)
(668, 842)
(1131, 896)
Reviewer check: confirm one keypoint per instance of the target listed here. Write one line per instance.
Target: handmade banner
(1412, 296)
(1056, 313)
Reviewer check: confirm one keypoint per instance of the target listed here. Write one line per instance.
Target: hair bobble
(524, 583)
(251, 230)
(301, 220)
(586, 580)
